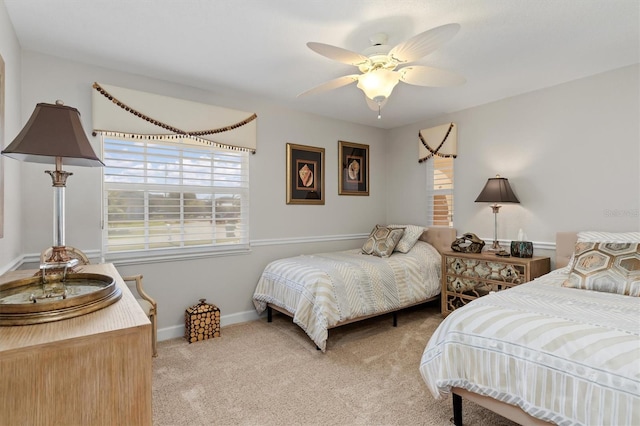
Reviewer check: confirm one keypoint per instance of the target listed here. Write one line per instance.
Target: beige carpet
(260, 373)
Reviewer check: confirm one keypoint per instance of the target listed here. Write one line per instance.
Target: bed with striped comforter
(324, 290)
(566, 356)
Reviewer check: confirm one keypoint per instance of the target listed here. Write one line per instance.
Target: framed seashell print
(353, 173)
(305, 174)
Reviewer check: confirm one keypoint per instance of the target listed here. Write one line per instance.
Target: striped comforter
(567, 356)
(322, 290)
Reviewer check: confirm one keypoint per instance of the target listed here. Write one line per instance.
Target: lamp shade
(378, 84)
(53, 131)
(497, 190)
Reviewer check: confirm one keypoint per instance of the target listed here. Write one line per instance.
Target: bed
(327, 290)
(544, 353)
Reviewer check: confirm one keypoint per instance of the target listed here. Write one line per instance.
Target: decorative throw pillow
(606, 267)
(605, 237)
(382, 241)
(411, 235)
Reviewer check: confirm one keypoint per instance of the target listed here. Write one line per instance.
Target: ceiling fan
(378, 65)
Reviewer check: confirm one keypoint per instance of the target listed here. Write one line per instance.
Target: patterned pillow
(411, 235)
(605, 237)
(607, 267)
(382, 241)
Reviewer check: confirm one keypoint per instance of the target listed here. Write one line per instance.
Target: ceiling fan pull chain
(379, 113)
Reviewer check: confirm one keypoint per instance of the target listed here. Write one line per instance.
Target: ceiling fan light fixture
(378, 84)
(377, 65)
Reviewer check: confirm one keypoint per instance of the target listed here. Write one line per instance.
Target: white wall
(571, 153)
(11, 243)
(226, 281)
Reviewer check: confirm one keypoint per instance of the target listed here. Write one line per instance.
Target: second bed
(326, 290)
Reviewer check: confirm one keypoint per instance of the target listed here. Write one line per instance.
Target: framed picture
(353, 178)
(305, 174)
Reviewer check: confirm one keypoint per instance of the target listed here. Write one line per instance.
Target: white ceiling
(504, 47)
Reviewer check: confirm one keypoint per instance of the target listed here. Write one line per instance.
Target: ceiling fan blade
(424, 43)
(420, 75)
(337, 53)
(373, 105)
(331, 84)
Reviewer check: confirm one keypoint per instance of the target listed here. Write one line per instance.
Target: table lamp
(497, 190)
(54, 135)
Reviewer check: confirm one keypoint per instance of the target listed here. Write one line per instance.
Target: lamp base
(495, 247)
(59, 267)
(58, 261)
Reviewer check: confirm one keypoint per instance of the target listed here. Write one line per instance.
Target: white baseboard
(175, 331)
(12, 265)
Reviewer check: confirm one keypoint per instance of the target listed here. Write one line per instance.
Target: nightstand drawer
(467, 276)
(485, 269)
(462, 285)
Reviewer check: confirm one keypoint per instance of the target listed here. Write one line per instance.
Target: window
(440, 191)
(173, 196)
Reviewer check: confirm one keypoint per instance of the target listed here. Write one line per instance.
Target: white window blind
(173, 196)
(440, 185)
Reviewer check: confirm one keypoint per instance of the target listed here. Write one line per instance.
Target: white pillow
(411, 235)
(608, 237)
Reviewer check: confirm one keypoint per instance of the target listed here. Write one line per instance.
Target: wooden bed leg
(395, 319)
(269, 314)
(457, 409)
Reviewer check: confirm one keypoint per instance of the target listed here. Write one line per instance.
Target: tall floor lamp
(54, 135)
(497, 190)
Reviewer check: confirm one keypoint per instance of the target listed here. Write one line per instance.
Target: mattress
(324, 290)
(567, 356)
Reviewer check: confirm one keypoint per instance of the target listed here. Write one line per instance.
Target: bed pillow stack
(382, 241)
(607, 262)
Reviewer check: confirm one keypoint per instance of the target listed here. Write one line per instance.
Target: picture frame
(305, 174)
(353, 173)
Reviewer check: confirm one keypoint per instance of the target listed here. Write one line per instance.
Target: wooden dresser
(467, 276)
(89, 370)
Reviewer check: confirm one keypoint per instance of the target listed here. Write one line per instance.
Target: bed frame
(565, 245)
(439, 237)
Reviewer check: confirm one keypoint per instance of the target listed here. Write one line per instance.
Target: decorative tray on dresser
(93, 369)
(467, 276)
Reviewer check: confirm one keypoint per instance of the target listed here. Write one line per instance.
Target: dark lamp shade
(497, 190)
(53, 131)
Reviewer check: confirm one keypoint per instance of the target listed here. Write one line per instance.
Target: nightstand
(467, 276)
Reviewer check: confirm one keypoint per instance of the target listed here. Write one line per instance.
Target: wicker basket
(202, 321)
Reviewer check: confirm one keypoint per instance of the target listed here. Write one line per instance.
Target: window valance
(131, 113)
(440, 140)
